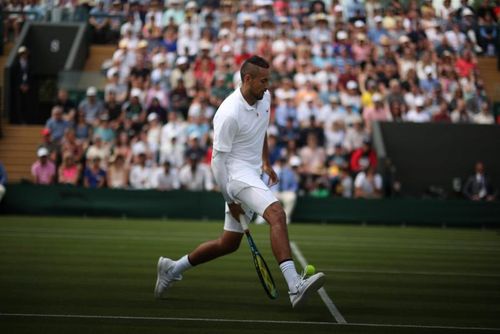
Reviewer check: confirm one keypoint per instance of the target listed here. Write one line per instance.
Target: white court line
(322, 293)
(256, 321)
(400, 272)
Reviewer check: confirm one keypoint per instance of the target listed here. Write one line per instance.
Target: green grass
(375, 275)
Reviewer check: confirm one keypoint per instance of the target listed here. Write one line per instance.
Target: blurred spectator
(194, 147)
(355, 136)
(363, 157)
(335, 136)
(53, 148)
(22, 88)
(461, 114)
(368, 184)
(488, 31)
(287, 187)
(312, 126)
(3, 181)
(99, 149)
(321, 188)
(154, 134)
(167, 178)
(307, 110)
(99, 22)
(342, 184)
(172, 150)
(94, 175)
(175, 127)
(484, 116)
(83, 130)
(134, 108)
(43, 170)
(156, 108)
(12, 22)
(183, 74)
(91, 107)
(478, 186)
(115, 21)
(418, 114)
(195, 176)
(57, 124)
(140, 173)
(443, 114)
(118, 172)
(69, 171)
(274, 148)
(122, 147)
(313, 156)
(113, 109)
(398, 111)
(286, 110)
(67, 105)
(466, 64)
(379, 112)
(115, 92)
(180, 99)
(289, 133)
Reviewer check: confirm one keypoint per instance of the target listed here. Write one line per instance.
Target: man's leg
(276, 217)
(169, 271)
(265, 203)
(227, 243)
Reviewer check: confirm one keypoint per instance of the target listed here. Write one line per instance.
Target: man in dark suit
(22, 89)
(478, 186)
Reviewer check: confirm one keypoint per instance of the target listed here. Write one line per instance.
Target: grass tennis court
(67, 275)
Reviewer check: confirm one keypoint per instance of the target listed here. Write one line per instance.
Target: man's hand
(235, 210)
(273, 177)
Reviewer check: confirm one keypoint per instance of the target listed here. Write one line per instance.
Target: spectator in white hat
(351, 96)
(376, 32)
(43, 170)
(92, 106)
(183, 71)
(418, 114)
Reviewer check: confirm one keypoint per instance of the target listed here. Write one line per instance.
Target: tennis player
(240, 155)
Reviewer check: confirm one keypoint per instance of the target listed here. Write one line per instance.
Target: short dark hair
(247, 67)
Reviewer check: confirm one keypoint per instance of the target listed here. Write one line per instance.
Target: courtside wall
(28, 199)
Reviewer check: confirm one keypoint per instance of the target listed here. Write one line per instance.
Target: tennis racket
(265, 277)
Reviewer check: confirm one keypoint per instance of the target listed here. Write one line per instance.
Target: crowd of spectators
(337, 67)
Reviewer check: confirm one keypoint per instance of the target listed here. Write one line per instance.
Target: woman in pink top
(69, 171)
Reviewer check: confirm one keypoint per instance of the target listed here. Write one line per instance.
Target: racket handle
(243, 222)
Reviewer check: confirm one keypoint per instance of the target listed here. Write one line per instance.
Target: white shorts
(253, 200)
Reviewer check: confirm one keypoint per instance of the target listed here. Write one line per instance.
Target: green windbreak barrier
(75, 201)
(71, 201)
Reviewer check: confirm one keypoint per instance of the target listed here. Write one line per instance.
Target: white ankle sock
(290, 274)
(181, 265)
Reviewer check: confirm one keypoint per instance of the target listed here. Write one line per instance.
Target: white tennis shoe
(165, 278)
(304, 287)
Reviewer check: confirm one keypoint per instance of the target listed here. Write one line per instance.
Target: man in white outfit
(240, 155)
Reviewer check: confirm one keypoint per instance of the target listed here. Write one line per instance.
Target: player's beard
(260, 96)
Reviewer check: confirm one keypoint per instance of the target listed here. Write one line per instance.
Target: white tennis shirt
(239, 130)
